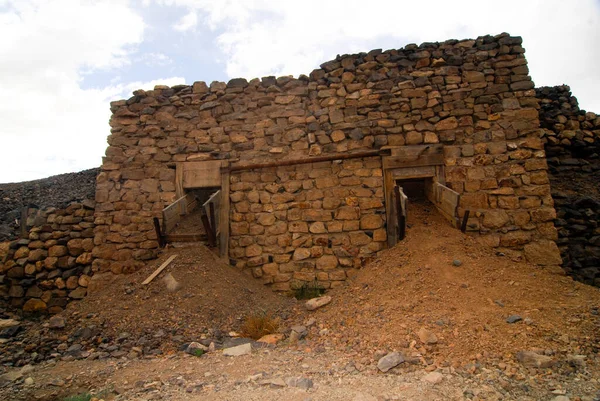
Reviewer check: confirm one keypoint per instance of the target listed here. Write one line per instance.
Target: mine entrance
(195, 214)
(416, 173)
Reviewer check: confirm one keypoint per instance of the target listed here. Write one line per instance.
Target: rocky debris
(297, 333)
(196, 349)
(513, 319)
(171, 283)
(456, 263)
(4, 323)
(56, 322)
(239, 350)
(271, 338)
(299, 382)
(427, 336)
(316, 303)
(572, 146)
(534, 360)
(57, 192)
(433, 377)
(390, 361)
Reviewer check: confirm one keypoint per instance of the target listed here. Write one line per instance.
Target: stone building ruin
(460, 115)
(300, 175)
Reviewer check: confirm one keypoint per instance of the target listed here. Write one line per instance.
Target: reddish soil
(415, 285)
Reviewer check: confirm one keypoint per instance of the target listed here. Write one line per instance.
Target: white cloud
(263, 37)
(187, 22)
(50, 124)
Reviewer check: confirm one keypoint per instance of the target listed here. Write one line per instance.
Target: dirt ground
(439, 298)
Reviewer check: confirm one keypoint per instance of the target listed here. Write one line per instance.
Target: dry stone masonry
(293, 224)
(52, 265)
(304, 163)
(572, 142)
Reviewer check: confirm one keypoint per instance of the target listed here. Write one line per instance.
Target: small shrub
(259, 324)
(198, 352)
(79, 397)
(309, 291)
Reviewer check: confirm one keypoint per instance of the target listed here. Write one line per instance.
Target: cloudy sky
(63, 61)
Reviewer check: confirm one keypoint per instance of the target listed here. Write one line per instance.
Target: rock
(535, 360)
(316, 303)
(56, 322)
(456, 263)
(196, 349)
(239, 350)
(298, 333)
(170, 282)
(300, 382)
(433, 377)
(10, 331)
(8, 323)
(427, 336)
(513, 319)
(28, 381)
(542, 253)
(390, 361)
(78, 293)
(271, 338)
(34, 305)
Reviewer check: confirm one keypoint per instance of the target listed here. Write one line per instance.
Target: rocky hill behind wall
(572, 144)
(57, 191)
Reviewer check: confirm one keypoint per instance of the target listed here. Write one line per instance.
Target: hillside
(56, 191)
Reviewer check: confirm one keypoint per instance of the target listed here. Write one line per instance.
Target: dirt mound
(56, 191)
(213, 298)
(439, 281)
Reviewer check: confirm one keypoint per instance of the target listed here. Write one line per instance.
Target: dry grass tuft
(259, 324)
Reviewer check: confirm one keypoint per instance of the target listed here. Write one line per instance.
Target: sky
(63, 61)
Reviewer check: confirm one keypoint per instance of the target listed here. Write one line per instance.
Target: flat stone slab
(316, 303)
(238, 350)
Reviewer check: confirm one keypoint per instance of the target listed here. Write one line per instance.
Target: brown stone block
(371, 222)
(495, 218)
(508, 202)
(327, 262)
(543, 253)
(474, 201)
(359, 238)
(515, 238)
(37, 255)
(543, 215)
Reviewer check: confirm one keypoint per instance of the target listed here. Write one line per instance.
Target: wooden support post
(463, 226)
(159, 236)
(210, 234)
(224, 214)
(213, 220)
(401, 214)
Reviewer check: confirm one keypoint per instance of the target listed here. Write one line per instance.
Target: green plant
(198, 352)
(309, 291)
(259, 324)
(79, 397)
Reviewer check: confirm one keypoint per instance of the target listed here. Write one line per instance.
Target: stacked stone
(572, 141)
(309, 223)
(473, 96)
(52, 265)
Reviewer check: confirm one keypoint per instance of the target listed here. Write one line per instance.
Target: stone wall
(52, 266)
(473, 96)
(572, 141)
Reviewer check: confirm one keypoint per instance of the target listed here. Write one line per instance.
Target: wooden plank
(203, 174)
(413, 172)
(224, 216)
(179, 192)
(402, 161)
(169, 238)
(446, 201)
(160, 269)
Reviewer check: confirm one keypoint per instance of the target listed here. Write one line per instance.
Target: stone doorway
(416, 172)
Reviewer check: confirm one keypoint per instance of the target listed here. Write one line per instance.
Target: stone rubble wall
(473, 96)
(572, 142)
(53, 265)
